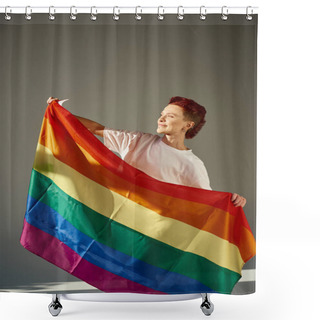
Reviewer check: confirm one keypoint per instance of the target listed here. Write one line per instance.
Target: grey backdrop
(122, 74)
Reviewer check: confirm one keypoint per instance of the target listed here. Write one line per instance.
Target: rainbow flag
(116, 228)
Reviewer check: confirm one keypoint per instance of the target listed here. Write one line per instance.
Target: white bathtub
(55, 306)
(128, 297)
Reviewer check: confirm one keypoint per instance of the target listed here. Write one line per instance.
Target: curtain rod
(130, 10)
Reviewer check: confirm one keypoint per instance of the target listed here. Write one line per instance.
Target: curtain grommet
(52, 12)
(73, 13)
(7, 11)
(203, 13)
(180, 15)
(160, 16)
(116, 16)
(28, 13)
(138, 17)
(93, 16)
(224, 13)
(249, 15)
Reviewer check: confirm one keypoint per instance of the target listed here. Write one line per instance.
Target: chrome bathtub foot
(206, 305)
(55, 306)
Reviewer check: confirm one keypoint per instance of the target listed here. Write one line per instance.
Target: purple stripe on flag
(56, 252)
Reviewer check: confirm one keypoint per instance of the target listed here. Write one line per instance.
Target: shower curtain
(122, 73)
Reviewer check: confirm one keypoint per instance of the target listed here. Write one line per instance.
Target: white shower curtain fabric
(122, 74)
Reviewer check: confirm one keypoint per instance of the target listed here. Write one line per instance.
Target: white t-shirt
(148, 153)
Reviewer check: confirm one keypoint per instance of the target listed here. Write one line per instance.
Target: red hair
(192, 111)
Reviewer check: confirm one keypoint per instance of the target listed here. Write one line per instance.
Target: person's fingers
(51, 99)
(244, 202)
(234, 196)
(239, 201)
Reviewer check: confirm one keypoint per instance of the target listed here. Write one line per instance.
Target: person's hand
(51, 99)
(238, 201)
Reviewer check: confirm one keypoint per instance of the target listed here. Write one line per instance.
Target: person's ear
(190, 125)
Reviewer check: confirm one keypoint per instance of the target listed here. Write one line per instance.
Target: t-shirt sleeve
(120, 140)
(200, 178)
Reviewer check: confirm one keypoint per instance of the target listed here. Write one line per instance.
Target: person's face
(172, 121)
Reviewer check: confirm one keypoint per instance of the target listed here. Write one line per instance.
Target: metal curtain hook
(93, 16)
(28, 13)
(137, 16)
(52, 11)
(116, 16)
(249, 16)
(224, 13)
(6, 14)
(160, 16)
(180, 13)
(73, 13)
(203, 13)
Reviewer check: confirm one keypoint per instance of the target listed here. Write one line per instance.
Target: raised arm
(94, 127)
